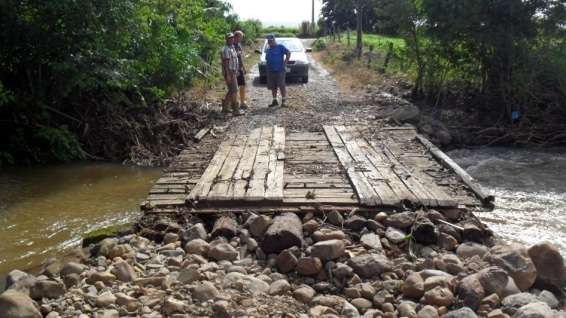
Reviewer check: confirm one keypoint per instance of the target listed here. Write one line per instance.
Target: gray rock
(534, 310)
(223, 252)
(470, 249)
(279, 287)
(548, 297)
(309, 266)
(124, 271)
(105, 277)
(471, 291)
(515, 260)
(493, 279)
(245, 283)
(326, 234)
(406, 113)
(427, 312)
(370, 265)
(447, 242)
(14, 304)
(304, 294)
(105, 299)
(335, 218)
(361, 304)
(371, 241)
(170, 238)
(402, 220)
(190, 274)
(343, 271)
(258, 225)
(14, 276)
(286, 261)
(355, 222)
(204, 291)
(220, 309)
(407, 309)
(463, 312)
(394, 235)
(106, 246)
(349, 311)
(108, 313)
(549, 264)
(439, 296)
(286, 231)
(197, 246)
(519, 300)
(328, 250)
(47, 289)
(194, 232)
(413, 286)
(172, 306)
(73, 268)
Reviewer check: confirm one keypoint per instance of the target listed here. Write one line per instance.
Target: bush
(319, 44)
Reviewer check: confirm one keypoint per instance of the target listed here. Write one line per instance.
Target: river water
(44, 210)
(530, 190)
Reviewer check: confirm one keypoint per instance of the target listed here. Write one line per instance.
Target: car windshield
(293, 45)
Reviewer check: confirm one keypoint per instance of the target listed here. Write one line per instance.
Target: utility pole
(359, 12)
(313, 27)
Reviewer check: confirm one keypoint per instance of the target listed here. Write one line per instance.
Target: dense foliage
(509, 55)
(59, 59)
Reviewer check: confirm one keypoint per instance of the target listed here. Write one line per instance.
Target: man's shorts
(232, 85)
(241, 78)
(275, 79)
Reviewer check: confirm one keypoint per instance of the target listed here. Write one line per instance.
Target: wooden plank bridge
(340, 167)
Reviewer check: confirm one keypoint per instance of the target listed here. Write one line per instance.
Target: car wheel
(305, 79)
(263, 80)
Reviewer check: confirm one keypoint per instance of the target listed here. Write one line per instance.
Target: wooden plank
(198, 137)
(200, 191)
(225, 178)
(274, 182)
(321, 201)
(384, 166)
(379, 183)
(364, 190)
(472, 183)
(410, 180)
(256, 190)
(245, 166)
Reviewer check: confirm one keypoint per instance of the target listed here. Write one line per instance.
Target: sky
(276, 12)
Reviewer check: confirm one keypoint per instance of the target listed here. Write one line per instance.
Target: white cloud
(276, 12)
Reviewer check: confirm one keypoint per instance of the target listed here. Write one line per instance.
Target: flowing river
(530, 190)
(45, 210)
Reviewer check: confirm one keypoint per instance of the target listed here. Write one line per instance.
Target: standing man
(277, 56)
(230, 67)
(238, 38)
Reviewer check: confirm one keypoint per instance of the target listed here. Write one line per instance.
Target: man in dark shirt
(238, 38)
(276, 56)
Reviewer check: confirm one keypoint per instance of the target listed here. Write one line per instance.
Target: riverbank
(457, 117)
(297, 266)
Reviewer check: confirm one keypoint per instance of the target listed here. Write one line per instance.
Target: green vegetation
(61, 61)
(503, 57)
(279, 31)
(104, 233)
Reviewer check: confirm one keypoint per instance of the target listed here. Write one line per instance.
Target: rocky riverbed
(407, 264)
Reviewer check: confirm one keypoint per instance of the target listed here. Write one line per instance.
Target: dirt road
(310, 105)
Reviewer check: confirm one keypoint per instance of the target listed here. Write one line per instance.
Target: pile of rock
(409, 264)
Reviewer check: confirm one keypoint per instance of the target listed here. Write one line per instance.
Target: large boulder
(493, 279)
(549, 265)
(223, 252)
(14, 304)
(515, 260)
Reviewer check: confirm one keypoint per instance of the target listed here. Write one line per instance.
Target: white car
(298, 66)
